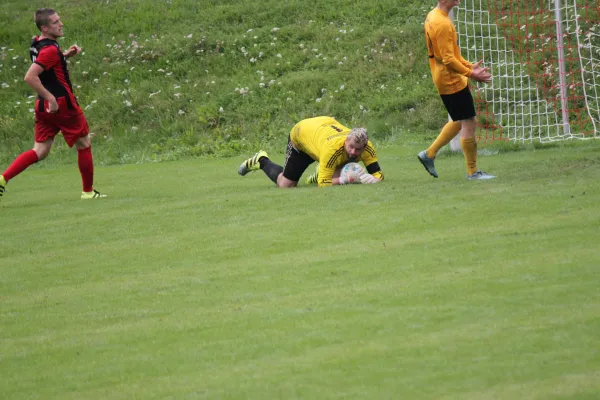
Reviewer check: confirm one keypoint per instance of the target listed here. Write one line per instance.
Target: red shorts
(71, 123)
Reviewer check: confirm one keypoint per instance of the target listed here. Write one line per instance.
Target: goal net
(545, 59)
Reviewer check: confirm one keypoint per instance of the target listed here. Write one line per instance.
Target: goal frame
(558, 124)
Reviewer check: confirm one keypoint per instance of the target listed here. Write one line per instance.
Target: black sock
(270, 168)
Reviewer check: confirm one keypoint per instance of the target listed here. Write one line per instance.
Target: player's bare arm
(72, 51)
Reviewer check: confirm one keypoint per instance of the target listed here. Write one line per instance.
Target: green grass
(192, 282)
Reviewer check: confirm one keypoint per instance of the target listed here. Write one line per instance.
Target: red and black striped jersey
(55, 78)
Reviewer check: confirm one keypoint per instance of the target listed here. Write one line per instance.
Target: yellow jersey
(322, 138)
(449, 69)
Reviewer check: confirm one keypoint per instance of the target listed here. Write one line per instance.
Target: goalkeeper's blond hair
(359, 135)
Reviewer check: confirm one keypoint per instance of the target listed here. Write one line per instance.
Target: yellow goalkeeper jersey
(322, 138)
(449, 69)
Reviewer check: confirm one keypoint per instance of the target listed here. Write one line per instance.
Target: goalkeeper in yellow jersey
(451, 73)
(321, 139)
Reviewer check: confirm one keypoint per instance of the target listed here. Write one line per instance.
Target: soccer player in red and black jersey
(56, 108)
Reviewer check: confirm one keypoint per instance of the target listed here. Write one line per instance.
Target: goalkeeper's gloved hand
(368, 178)
(343, 180)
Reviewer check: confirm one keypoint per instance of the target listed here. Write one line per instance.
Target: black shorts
(460, 105)
(296, 162)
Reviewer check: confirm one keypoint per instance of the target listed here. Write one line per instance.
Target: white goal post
(545, 59)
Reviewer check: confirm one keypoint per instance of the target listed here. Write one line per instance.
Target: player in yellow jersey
(321, 139)
(451, 73)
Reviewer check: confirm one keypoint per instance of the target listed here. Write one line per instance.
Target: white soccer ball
(352, 172)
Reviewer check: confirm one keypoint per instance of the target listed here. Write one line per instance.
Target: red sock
(20, 164)
(86, 167)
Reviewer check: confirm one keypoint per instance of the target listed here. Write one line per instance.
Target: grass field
(190, 281)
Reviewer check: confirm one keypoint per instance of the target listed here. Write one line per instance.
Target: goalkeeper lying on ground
(321, 139)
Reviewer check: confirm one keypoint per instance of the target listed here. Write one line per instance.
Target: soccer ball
(352, 172)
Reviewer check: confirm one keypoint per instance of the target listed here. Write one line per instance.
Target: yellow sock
(450, 130)
(469, 148)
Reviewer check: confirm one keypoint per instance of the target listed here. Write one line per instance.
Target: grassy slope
(300, 51)
(215, 286)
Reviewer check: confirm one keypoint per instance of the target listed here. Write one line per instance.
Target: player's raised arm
(72, 51)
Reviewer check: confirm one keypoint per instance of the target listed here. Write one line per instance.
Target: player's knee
(284, 182)
(41, 151)
(468, 127)
(42, 154)
(83, 143)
